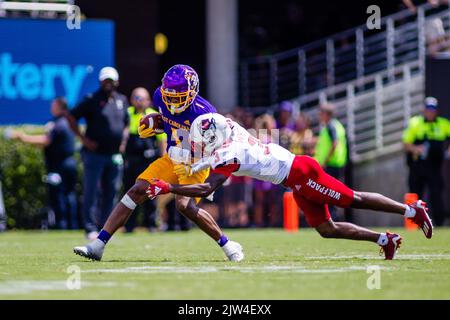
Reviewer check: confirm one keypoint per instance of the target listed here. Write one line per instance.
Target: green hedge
(21, 171)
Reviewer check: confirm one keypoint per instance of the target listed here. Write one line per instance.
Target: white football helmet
(209, 132)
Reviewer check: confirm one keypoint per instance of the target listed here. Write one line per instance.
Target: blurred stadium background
(251, 57)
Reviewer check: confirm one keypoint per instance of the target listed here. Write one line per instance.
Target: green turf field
(33, 265)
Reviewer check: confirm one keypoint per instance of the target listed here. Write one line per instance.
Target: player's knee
(327, 230)
(327, 234)
(358, 199)
(362, 199)
(138, 192)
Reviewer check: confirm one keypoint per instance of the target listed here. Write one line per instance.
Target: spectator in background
(236, 114)
(105, 112)
(139, 153)
(302, 139)
(59, 147)
(248, 119)
(236, 201)
(285, 126)
(424, 140)
(285, 123)
(436, 37)
(236, 196)
(264, 192)
(331, 147)
(412, 4)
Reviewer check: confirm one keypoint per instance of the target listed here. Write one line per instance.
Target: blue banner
(42, 59)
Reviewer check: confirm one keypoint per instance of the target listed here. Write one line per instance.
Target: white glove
(182, 170)
(200, 165)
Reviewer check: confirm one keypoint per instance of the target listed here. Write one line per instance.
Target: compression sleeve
(226, 170)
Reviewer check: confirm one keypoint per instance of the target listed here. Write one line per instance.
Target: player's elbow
(204, 193)
(205, 189)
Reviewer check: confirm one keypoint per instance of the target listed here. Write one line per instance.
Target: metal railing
(374, 109)
(353, 54)
(35, 8)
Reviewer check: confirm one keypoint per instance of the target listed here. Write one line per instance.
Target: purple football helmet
(179, 88)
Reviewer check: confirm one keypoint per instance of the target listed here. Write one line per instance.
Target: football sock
(410, 212)
(223, 240)
(104, 236)
(383, 239)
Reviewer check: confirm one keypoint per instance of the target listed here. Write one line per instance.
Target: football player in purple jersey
(179, 104)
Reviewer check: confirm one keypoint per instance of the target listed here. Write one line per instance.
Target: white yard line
(272, 268)
(243, 269)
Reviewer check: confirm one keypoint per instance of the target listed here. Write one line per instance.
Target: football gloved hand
(182, 170)
(156, 188)
(202, 164)
(145, 133)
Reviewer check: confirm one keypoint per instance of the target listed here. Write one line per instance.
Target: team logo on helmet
(192, 78)
(208, 124)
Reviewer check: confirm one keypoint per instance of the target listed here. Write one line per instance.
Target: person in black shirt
(106, 116)
(59, 148)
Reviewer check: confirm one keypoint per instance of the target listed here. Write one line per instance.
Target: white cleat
(93, 250)
(233, 251)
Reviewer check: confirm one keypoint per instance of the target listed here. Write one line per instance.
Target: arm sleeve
(81, 110)
(226, 170)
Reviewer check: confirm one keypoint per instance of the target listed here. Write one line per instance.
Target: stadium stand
(378, 74)
(42, 9)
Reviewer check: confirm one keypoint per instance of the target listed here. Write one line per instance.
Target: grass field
(33, 265)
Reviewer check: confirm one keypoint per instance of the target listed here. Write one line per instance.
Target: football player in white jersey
(228, 149)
